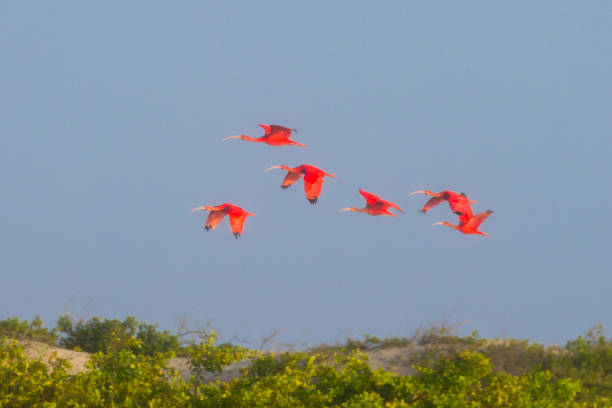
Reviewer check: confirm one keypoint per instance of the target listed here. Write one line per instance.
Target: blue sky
(112, 120)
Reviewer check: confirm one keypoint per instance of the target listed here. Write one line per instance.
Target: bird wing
(312, 187)
(291, 178)
(214, 218)
(236, 222)
(371, 199)
(266, 128)
(478, 219)
(432, 203)
(459, 204)
(393, 205)
(278, 133)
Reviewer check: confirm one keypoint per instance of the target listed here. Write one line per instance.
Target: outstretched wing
(266, 128)
(279, 133)
(312, 187)
(214, 218)
(236, 223)
(393, 205)
(291, 178)
(432, 203)
(478, 219)
(371, 199)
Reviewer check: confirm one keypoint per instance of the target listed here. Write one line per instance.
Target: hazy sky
(111, 120)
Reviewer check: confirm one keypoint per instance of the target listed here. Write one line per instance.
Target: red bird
(236, 217)
(468, 224)
(313, 179)
(374, 205)
(275, 136)
(458, 203)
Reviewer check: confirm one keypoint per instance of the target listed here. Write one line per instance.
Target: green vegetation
(129, 368)
(114, 335)
(24, 330)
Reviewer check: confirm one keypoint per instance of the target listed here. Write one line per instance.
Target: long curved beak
(417, 192)
(345, 209)
(199, 208)
(438, 223)
(474, 201)
(252, 214)
(332, 175)
(231, 137)
(273, 167)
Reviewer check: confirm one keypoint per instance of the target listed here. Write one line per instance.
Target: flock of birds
(314, 177)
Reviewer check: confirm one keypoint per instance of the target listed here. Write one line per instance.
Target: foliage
(205, 358)
(96, 335)
(25, 383)
(346, 380)
(127, 379)
(22, 330)
(449, 371)
(520, 357)
(589, 359)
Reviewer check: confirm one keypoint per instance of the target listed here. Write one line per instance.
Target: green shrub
(128, 379)
(22, 330)
(131, 370)
(96, 335)
(26, 383)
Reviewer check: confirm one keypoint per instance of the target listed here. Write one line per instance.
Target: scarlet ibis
(313, 179)
(374, 205)
(468, 224)
(236, 217)
(459, 203)
(275, 136)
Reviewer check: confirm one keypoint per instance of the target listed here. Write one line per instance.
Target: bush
(129, 369)
(97, 335)
(125, 378)
(23, 330)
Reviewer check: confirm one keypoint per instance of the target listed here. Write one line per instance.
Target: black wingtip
(423, 211)
(313, 200)
(284, 187)
(207, 228)
(236, 235)
(459, 213)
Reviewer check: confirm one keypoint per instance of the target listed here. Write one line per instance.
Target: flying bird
(236, 217)
(459, 203)
(275, 136)
(468, 224)
(374, 205)
(313, 179)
